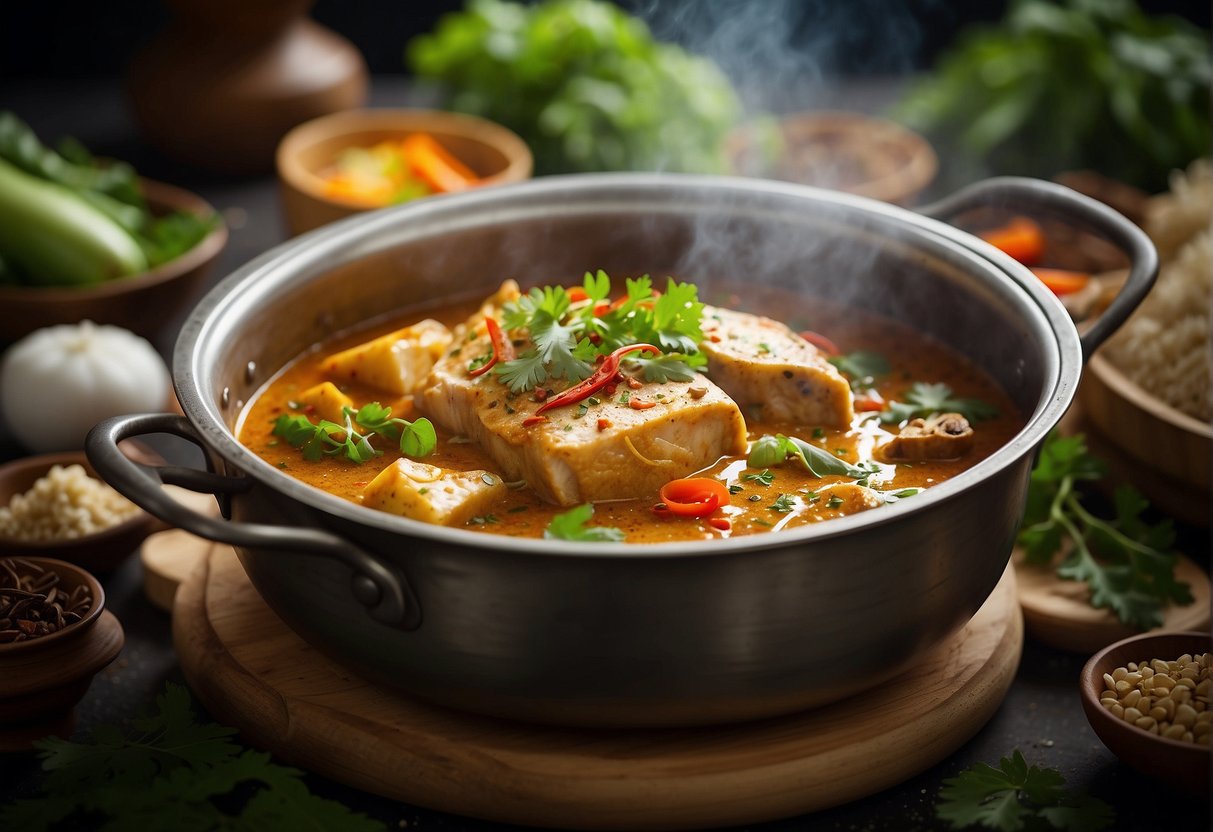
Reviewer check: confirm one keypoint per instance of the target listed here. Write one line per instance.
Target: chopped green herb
(783, 503)
(861, 367)
(483, 521)
(777, 449)
(594, 400)
(812, 496)
(423, 490)
(763, 348)
(735, 489)
(834, 502)
(819, 433)
(325, 438)
(624, 396)
(582, 409)
(571, 525)
(764, 478)
(925, 400)
(761, 522)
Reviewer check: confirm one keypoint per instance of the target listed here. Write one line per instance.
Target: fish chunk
(761, 362)
(942, 436)
(609, 451)
(397, 362)
(432, 494)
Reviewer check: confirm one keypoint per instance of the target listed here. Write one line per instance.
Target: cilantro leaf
(523, 373)
(1012, 796)
(571, 525)
(861, 367)
(924, 400)
(325, 438)
(783, 503)
(765, 478)
(597, 286)
(672, 366)
(770, 451)
(1125, 562)
(167, 765)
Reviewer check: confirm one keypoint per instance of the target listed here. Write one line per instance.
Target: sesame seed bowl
(1147, 698)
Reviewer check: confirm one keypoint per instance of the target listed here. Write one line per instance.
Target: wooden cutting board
(254, 673)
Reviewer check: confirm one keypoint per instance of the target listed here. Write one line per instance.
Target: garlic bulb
(57, 382)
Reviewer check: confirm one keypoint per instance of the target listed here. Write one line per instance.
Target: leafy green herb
(834, 502)
(1015, 796)
(775, 450)
(861, 367)
(1124, 561)
(169, 769)
(1134, 105)
(765, 478)
(584, 83)
(326, 438)
(571, 525)
(484, 520)
(567, 338)
(783, 503)
(735, 489)
(925, 400)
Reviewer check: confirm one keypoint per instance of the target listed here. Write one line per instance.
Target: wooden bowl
(843, 151)
(1181, 764)
(42, 679)
(101, 551)
(1169, 454)
(143, 303)
(494, 153)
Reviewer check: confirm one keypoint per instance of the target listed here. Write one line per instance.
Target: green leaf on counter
(1125, 561)
(1015, 797)
(167, 771)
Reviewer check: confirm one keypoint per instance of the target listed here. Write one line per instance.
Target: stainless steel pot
(617, 633)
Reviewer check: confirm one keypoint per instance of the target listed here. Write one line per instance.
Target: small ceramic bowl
(842, 151)
(143, 303)
(101, 551)
(1183, 765)
(495, 154)
(42, 678)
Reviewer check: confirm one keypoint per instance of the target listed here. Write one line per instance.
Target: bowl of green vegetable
(82, 238)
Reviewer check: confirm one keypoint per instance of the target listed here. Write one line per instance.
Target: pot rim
(346, 240)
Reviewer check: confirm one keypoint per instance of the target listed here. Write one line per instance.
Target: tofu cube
(432, 494)
(397, 362)
(326, 401)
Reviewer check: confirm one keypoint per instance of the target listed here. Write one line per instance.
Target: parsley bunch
(568, 336)
(166, 771)
(1015, 797)
(924, 400)
(1124, 561)
(325, 438)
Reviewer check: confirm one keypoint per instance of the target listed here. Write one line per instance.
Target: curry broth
(754, 507)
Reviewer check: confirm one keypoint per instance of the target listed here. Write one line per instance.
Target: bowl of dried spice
(1147, 698)
(55, 634)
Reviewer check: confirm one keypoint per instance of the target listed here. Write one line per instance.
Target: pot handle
(385, 593)
(1038, 196)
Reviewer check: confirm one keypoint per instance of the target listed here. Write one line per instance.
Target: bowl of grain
(1147, 698)
(1149, 389)
(55, 505)
(55, 634)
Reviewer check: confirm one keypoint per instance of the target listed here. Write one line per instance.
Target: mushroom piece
(942, 436)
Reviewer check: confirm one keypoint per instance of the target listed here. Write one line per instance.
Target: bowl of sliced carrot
(361, 160)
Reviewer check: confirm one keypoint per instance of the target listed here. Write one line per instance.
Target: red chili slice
(600, 378)
(503, 348)
(694, 496)
(820, 341)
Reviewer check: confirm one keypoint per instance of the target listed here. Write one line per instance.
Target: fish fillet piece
(432, 494)
(760, 362)
(397, 362)
(610, 451)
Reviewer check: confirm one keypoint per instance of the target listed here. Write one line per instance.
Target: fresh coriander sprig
(769, 451)
(165, 767)
(327, 438)
(568, 336)
(1014, 797)
(924, 400)
(1125, 562)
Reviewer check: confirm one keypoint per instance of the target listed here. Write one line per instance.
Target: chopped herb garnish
(734, 489)
(484, 520)
(819, 433)
(582, 409)
(761, 522)
(862, 367)
(762, 347)
(593, 400)
(777, 449)
(325, 438)
(571, 525)
(783, 503)
(925, 400)
(812, 496)
(624, 396)
(834, 502)
(765, 478)
(567, 337)
(840, 452)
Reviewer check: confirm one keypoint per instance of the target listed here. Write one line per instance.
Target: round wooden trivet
(254, 673)
(1058, 613)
